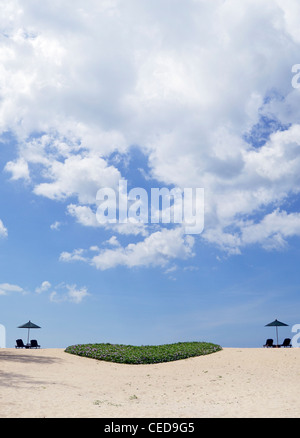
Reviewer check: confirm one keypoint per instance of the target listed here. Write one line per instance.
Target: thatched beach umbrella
(29, 325)
(276, 324)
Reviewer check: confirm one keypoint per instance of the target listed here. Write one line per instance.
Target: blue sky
(160, 94)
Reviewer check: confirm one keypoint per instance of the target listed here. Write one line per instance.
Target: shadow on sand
(26, 358)
(18, 380)
(12, 379)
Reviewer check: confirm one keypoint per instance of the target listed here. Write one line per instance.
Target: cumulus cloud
(273, 230)
(18, 169)
(86, 216)
(55, 226)
(63, 292)
(69, 293)
(60, 293)
(80, 176)
(77, 255)
(194, 87)
(7, 288)
(83, 214)
(155, 250)
(113, 241)
(43, 287)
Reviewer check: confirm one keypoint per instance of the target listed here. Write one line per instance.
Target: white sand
(236, 382)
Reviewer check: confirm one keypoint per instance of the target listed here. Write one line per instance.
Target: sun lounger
(20, 344)
(34, 344)
(269, 343)
(286, 343)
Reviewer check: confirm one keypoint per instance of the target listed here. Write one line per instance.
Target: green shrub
(145, 354)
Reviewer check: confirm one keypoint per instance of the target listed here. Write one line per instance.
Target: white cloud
(113, 241)
(70, 293)
(43, 287)
(80, 176)
(185, 83)
(18, 169)
(62, 292)
(272, 231)
(94, 248)
(3, 230)
(83, 214)
(6, 288)
(155, 250)
(86, 216)
(76, 255)
(55, 226)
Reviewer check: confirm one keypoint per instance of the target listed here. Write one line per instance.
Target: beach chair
(286, 343)
(20, 344)
(269, 343)
(34, 344)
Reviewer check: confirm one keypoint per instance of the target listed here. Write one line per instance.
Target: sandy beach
(235, 382)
